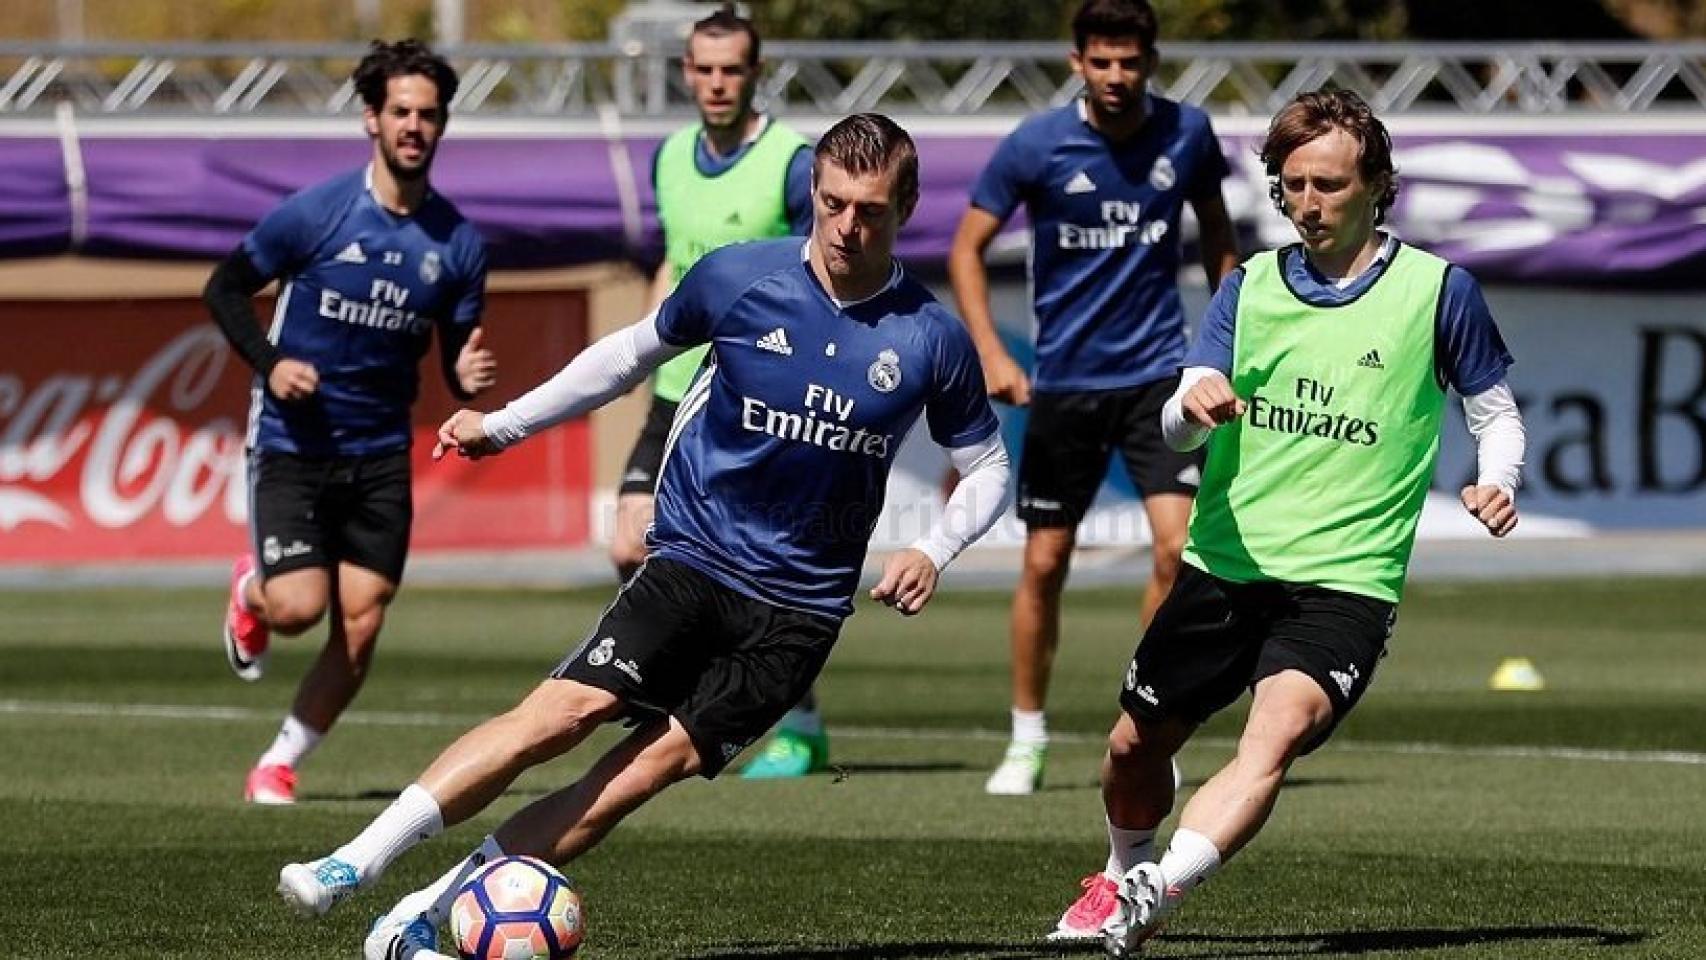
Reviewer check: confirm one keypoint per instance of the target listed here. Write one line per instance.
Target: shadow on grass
(1352, 943)
(1347, 943)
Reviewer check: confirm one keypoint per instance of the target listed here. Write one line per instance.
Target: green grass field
(1444, 821)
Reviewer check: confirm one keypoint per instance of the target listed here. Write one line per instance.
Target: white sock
(808, 723)
(411, 818)
(1191, 858)
(294, 742)
(1127, 849)
(1030, 726)
(433, 900)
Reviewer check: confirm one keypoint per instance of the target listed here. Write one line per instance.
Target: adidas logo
(733, 219)
(776, 341)
(1371, 360)
(1346, 679)
(1081, 183)
(351, 254)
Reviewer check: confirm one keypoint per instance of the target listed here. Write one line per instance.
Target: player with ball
(824, 353)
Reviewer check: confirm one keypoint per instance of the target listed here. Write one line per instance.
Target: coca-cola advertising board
(122, 424)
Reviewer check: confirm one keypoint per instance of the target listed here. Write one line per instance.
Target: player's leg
(1318, 655)
(283, 583)
(799, 747)
(1065, 456)
(1169, 516)
(636, 653)
(1194, 659)
(634, 495)
(555, 828)
(760, 660)
(470, 773)
(363, 509)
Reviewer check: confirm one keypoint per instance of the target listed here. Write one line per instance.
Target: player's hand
(908, 583)
(1210, 402)
(465, 433)
(1006, 381)
(292, 380)
(1492, 506)
(476, 365)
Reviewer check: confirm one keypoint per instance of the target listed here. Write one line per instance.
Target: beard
(404, 170)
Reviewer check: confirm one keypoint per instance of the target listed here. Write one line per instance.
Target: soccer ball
(517, 908)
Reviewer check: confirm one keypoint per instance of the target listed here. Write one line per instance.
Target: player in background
(1104, 181)
(736, 175)
(370, 263)
(824, 353)
(1318, 380)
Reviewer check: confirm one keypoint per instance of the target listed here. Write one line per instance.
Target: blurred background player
(825, 353)
(1318, 380)
(1103, 181)
(736, 175)
(370, 263)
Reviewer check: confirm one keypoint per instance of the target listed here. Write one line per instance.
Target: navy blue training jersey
(360, 290)
(1469, 353)
(780, 453)
(1104, 238)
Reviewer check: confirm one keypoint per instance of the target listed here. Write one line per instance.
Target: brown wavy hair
(1313, 115)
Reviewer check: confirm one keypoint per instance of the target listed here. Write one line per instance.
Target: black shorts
(646, 459)
(1213, 639)
(677, 643)
(1069, 437)
(318, 512)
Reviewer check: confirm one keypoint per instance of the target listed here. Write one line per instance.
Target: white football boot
(404, 938)
(1021, 771)
(315, 888)
(1144, 904)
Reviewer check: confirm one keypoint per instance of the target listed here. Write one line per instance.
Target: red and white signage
(121, 436)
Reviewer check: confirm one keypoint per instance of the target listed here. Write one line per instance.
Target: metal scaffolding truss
(933, 79)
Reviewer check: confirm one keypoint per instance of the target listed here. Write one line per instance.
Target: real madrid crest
(884, 374)
(430, 268)
(601, 654)
(1161, 175)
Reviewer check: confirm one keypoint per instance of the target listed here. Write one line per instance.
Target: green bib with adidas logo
(748, 201)
(1323, 478)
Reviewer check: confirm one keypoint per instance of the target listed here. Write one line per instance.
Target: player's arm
(470, 367)
(1203, 401)
(602, 372)
(1204, 398)
(1500, 443)
(1216, 236)
(228, 295)
(910, 576)
(1471, 358)
(1004, 378)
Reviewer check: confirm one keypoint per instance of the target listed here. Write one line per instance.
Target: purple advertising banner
(1613, 209)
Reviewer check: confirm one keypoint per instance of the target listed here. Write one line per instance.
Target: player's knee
(1278, 736)
(558, 711)
(670, 760)
(1167, 549)
(291, 614)
(1047, 562)
(1137, 742)
(361, 630)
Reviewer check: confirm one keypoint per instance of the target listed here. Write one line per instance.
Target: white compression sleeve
(602, 372)
(975, 504)
(1496, 424)
(1181, 434)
